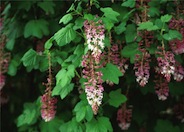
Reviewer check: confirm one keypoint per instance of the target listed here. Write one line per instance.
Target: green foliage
(172, 34)
(36, 28)
(101, 124)
(112, 70)
(130, 51)
(83, 111)
(29, 115)
(66, 18)
(165, 126)
(52, 125)
(65, 35)
(116, 98)
(147, 26)
(110, 14)
(128, 3)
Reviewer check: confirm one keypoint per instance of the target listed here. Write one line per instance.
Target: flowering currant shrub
(92, 66)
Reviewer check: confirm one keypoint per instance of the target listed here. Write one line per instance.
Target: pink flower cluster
(2, 81)
(114, 56)
(94, 35)
(93, 86)
(179, 72)
(4, 62)
(116, 59)
(141, 67)
(48, 107)
(166, 63)
(161, 88)
(91, 62)
(124, 116)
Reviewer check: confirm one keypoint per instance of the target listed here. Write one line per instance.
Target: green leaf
(165, 126)
(113, 71)
(89, 113)
(166, 18)
(147, 26)
(66, 18)
(108, 24)
(49, 43)
(10, 44)
(30, 58)
(116, 98)
(101, 124)
(153, 11)
(79, 23)
(88, 16)
(47, 6)
(83, 110)
(120, 28)
(173, 34)
(65, 35)
(51, 126)
(12, 68)
(26, 5)
(66, 90)
(129, 3)
(80, 110)
(130, 51)
(36, 28)
(110, 13)
(105, 124)
(130, 33)
(64, 76)
(71, 126)
(29, 115)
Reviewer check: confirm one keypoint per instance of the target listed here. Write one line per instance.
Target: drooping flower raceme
(142, 68)
(166, 63)
(2, 81)
(94, 36)
(124, 116)
(179, 72)
(48, 107)
(91, 63)
(48, 103)
(161, 87)
(93, 86)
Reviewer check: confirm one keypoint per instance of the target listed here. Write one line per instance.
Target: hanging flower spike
(179, 72)
(2, 81)
(124, 116)
(166, 63)
(161, 88)
(95, 36)
(93, 87)
(91, 63)
(48, 103)
(141, 67)
(48, 108)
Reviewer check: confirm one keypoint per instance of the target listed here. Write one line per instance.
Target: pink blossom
(166, 63)
(124, 116)
(95, 36)
(2, 81)
(48, 107)
(179, 72)
(161, 88)
(93, 86)
(141, 67)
